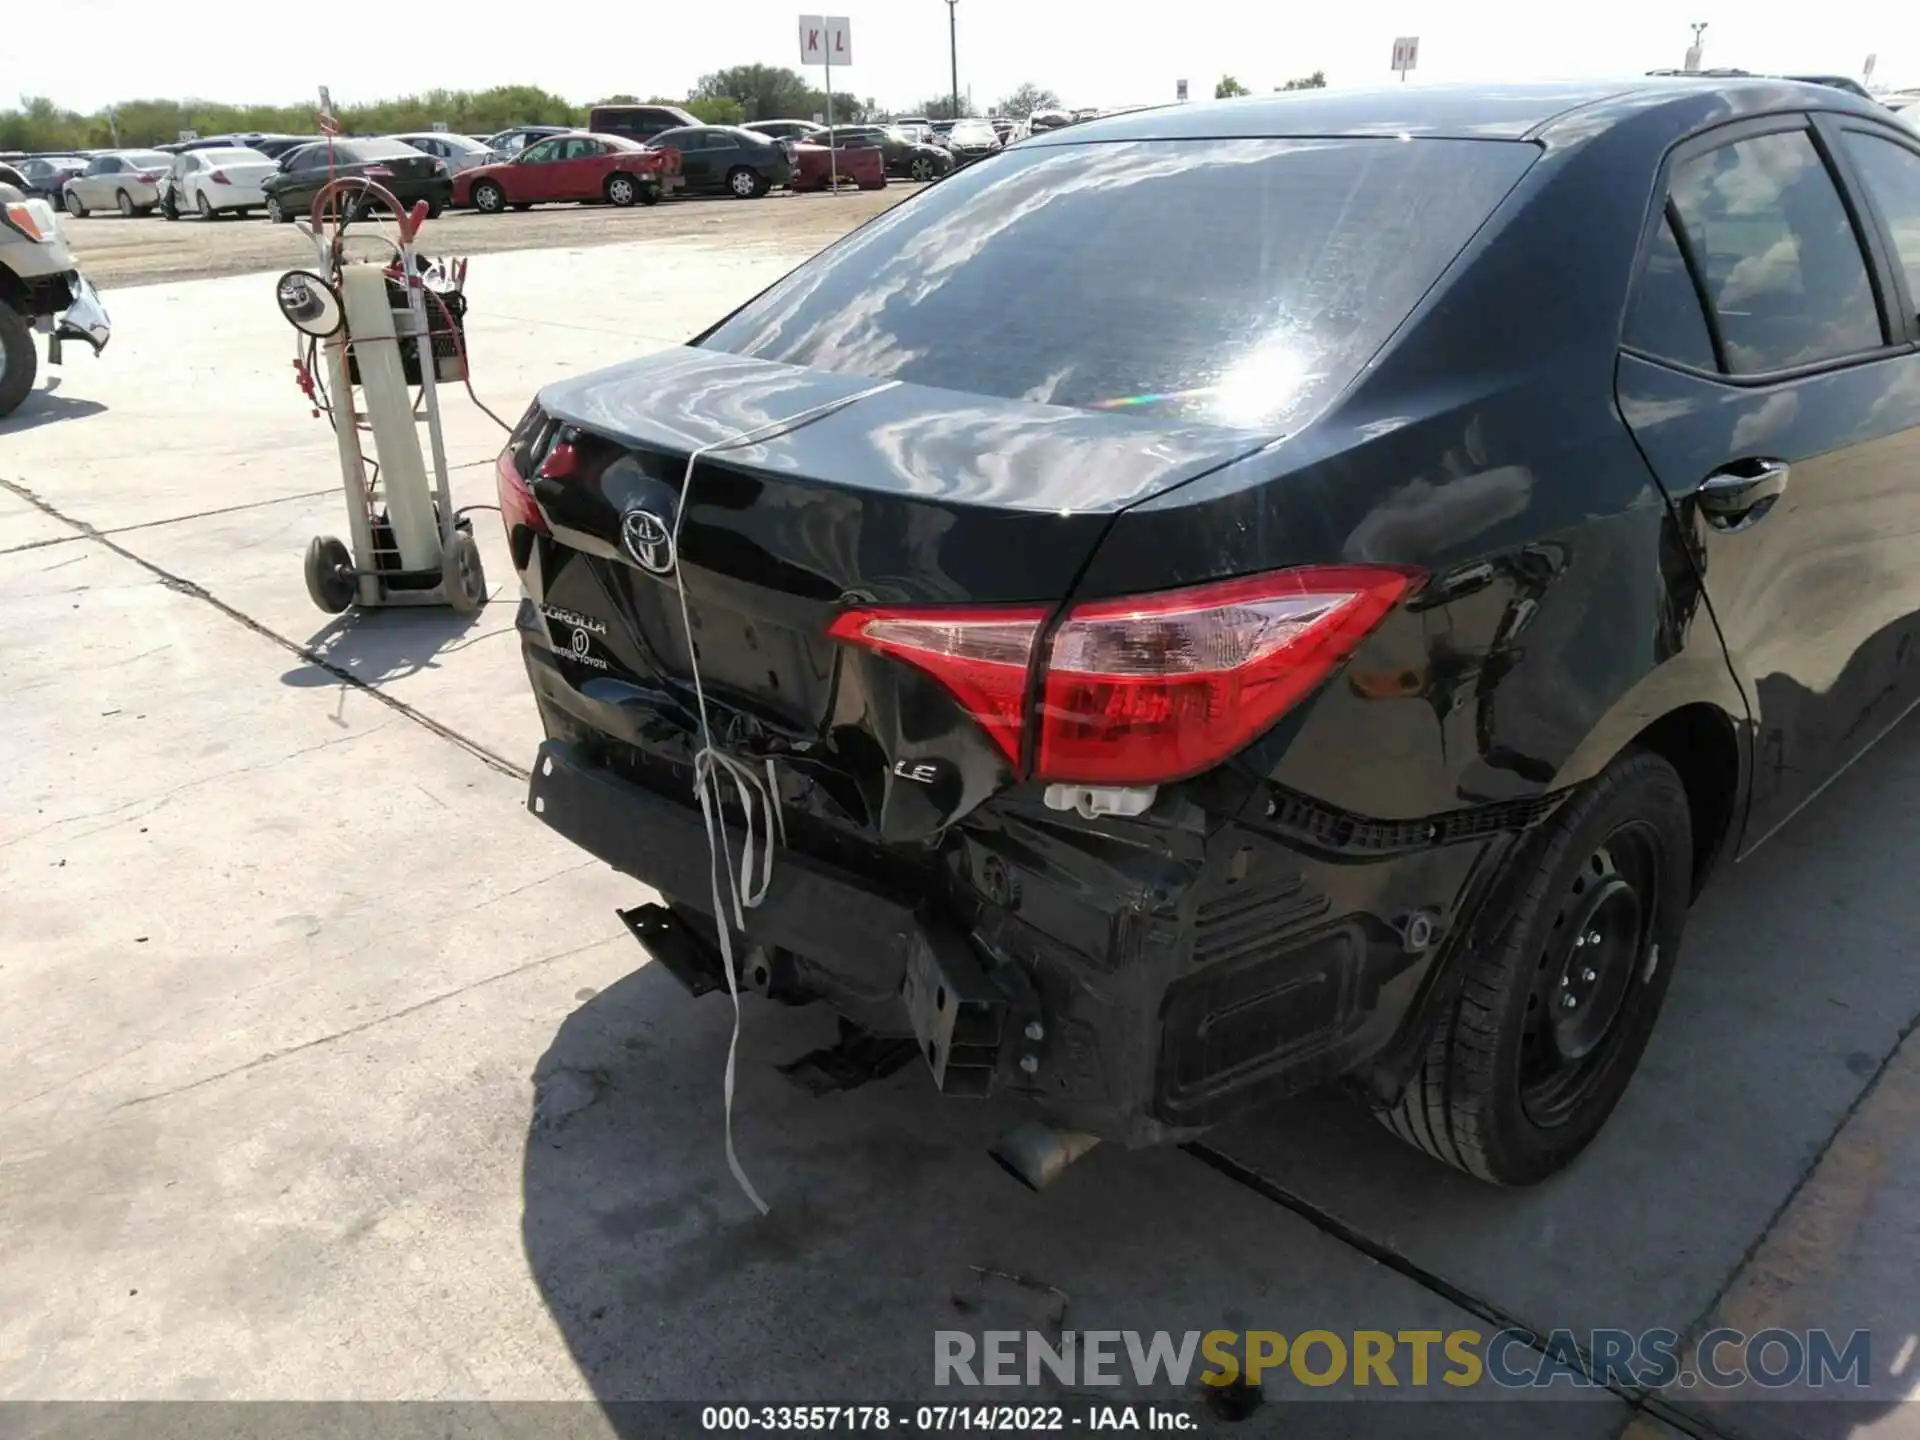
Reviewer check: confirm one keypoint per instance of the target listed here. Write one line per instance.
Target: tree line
(739, 94)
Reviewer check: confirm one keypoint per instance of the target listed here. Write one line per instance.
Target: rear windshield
(1242, 282)
(235, 156)
(142, 159)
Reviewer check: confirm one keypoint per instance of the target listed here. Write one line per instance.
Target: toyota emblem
(648, 540)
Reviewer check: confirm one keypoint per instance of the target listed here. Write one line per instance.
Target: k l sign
(826, 40)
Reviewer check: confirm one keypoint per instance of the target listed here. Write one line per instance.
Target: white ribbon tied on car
(755, 789)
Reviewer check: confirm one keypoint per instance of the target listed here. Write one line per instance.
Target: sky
(1114, 53)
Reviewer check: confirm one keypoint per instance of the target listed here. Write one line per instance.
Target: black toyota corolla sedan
(1236, 597)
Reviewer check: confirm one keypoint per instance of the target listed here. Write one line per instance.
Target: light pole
(953, 56)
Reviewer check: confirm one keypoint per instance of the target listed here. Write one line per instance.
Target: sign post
(1180, 91)
(827, 40)
(1406, 54)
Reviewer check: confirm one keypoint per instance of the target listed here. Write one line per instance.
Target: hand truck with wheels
(379, 331)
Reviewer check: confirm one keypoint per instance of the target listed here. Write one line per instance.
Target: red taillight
(562, 460)
(1148, 689)
(517, 505)
(151, 177)
(219, 177)
(981, 656)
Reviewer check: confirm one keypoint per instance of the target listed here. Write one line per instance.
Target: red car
(866, 168)
(575, 166)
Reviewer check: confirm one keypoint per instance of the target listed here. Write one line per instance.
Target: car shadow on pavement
(888, 1223)
(45, 406)
(378, 645)
(886, 1213)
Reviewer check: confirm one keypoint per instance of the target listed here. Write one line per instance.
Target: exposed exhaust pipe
(1036, 1154)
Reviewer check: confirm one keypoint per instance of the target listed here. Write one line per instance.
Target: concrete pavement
(327, 1073)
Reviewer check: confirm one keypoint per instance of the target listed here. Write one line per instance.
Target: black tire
(326, 586)
(436, 208)
(1594, 910)
(745, 183)
(125, 202)
(19, 360)
(76, 207)
(168, 207)
(204, 208)
(921, 169)
(622, 189)
(488, 198)
(650, 194)
(277, 213)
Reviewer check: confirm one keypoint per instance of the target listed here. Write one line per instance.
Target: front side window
(1251, 287)
(1891, 173)
(1665, 319)
(543, 153)
(1782, 266)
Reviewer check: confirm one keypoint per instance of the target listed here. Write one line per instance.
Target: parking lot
(148, 248)
(329, 1073)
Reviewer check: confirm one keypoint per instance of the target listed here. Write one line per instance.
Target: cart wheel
(462, 575)
(330, 589)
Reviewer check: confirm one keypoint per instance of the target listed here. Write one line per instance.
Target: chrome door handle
(1738, 495)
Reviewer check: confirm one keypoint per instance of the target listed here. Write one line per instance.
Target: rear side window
(1666, 320)
(1891, 173)
(1240, 282)
(1782, 265)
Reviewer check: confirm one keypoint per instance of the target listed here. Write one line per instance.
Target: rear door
(699, 149)
(1769, 376)
(581, 169)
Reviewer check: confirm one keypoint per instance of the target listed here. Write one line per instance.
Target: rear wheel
(489, 198)
(169, 205)
(650, 194)
(125, 202)
(922, 168)
(19, 361)
(622, 190)
(745, 184)
(329, 574)
(462, 575)
(205, 209)
(1552, 1017)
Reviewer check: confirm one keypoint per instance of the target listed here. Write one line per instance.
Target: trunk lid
(908, 496)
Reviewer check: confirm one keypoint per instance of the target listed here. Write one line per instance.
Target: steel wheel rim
(273, 209)
(1590, 973)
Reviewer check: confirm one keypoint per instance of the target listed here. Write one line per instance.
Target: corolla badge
(649, 540)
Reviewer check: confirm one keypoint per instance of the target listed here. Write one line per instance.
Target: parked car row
(626, 155)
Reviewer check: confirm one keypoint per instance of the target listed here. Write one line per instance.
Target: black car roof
(1494, 112)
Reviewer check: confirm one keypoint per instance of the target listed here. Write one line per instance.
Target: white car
(211, 183)
(123, 180)
(457, 151)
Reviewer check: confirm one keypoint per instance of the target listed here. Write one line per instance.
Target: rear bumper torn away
(1243, 968)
